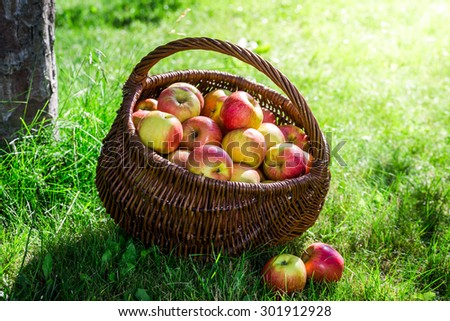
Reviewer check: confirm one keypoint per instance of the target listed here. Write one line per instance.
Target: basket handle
(139, 74)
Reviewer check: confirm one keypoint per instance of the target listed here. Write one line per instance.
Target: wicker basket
(163, 204)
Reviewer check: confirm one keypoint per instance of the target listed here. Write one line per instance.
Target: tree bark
(28, 85)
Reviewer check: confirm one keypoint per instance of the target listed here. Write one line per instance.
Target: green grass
(375, 74)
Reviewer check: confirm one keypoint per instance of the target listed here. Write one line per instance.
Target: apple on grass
(200, 130)
(295, 135)
(241, 110)
(179, 101)
(285, 161)
(146, 104)
(179, 157)
(285, 273)
(268, 116)
(272, 134)
(192, 88)
(210, 161)
(244, 173)
(245, 145)
(323, 262)
(160, 131)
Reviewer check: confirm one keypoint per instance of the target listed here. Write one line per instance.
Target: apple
(210, 161)
(179, 157)
(244, 173)
(284, 161)
(192, 88)
(295, 135)
(245, 145)
(272, 134)
(161, 131)
(323, 262)
(147, 104)
(285, 273)
(200, 130)
(241, 110)
(213, 104)
(180, 102)
(268, 116)
(137, 117)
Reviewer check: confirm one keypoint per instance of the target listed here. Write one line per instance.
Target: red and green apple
(200, 130)
(180, 102)
(285, 161)
(245, 145)
(285, 273)
(323, 262)
(241, 110)
(160, 131)
(210, 161)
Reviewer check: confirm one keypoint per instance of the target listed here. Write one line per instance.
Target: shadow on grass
(389, 171)
(415, 222)
(102, 265)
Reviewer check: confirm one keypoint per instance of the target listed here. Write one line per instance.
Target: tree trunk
(28, 84)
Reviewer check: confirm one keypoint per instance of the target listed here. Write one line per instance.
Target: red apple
(147, 104)
(137, 117)
(285, 273)
(272, 134)
(200, 130)
(241, 110)
(295, 135)
(192, 88)
(161, 131)
(284, 161)
(245, 145)
(210, 161)
(213, 104)
(244, 173)
(268, 116)
(323, 262)
(179, 157)
(180, 102)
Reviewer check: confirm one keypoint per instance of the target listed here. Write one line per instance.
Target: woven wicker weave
(161, 203)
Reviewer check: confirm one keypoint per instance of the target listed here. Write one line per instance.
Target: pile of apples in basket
(228, 136)
(221, 135)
